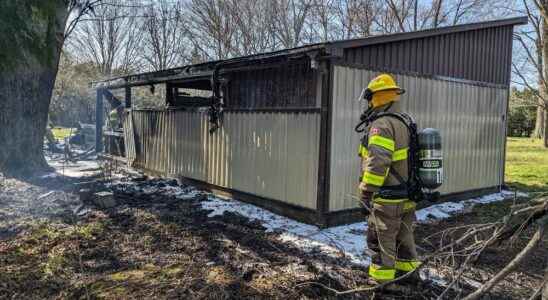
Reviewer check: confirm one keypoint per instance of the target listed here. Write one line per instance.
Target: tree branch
(511, 266)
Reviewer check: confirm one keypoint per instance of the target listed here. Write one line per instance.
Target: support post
(169, 94)
(128, 97)
(99, 121)
(322, 202)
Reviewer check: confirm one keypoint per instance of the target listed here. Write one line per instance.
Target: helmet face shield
(366, 94)
(361, 96)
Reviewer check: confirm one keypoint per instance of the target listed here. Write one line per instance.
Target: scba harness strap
(413, 185)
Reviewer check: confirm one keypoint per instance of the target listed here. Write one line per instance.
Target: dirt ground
(52, 246)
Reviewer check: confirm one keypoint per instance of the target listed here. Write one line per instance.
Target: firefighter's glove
(366, 202)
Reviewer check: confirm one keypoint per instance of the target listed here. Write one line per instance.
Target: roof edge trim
(402, 36)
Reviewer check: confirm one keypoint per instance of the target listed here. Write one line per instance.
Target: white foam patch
(341, 241)
(439, 211)
(80, 168)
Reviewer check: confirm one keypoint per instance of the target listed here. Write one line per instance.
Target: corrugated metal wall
(273, 155)
(129, 138)
(481, 55)
(471, 119)
(289, 84)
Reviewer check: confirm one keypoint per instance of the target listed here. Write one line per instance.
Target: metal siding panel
(471, 70)
(463, 57)
(458, 44)
(156, 153)
(454, 47)
(508, 57)
(146, 129)
(417, 57)
(478, 55)
(162, 153)
(502, 94)
(429, 60)
(482, 67)
(500, 55)
(438, 54)
(150, 143)
(481, 56)
(450, 67)
(491, 52)
(469, 118)
(166, 146)
(373, 56)
(273, 155)
(129, 139)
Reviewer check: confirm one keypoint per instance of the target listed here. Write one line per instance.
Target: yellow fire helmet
(382, 90)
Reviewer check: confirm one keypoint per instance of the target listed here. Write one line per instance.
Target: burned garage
(277, 129)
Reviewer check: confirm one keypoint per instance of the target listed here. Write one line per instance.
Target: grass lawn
(61, 133)
(527, 165)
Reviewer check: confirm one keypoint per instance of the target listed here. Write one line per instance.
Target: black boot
(411, 279)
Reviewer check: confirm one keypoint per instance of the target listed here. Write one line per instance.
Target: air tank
(430, 158)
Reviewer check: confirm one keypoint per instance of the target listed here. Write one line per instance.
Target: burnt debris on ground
(158, 241)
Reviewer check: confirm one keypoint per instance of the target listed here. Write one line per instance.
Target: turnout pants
(391, 238)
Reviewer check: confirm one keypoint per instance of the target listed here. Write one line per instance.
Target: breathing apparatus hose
(364, 121)
(368, 116)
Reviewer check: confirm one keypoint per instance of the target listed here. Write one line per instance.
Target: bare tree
(461, 11)
(211, 27)
(321, 21)
(289, 21)
(254, 25)
(110, 38)
(406, 15)
(353, 18)
(225, 28)
(363, 13)
(397, 15)
(164, 35)
(529, 66)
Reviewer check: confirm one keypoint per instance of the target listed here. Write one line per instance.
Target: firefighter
(383, 184)
(114, 117)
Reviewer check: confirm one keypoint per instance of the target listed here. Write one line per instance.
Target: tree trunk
(544, 110)
(545, 291)
(33, 33)
(541, 122)
(545, 138)
(538, 132)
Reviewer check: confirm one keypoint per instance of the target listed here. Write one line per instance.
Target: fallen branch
(537, 293)
(532, 214)
(537, 237)
(500, 231)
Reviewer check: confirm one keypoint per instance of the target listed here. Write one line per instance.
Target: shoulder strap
(414, 184)
(406, 119)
